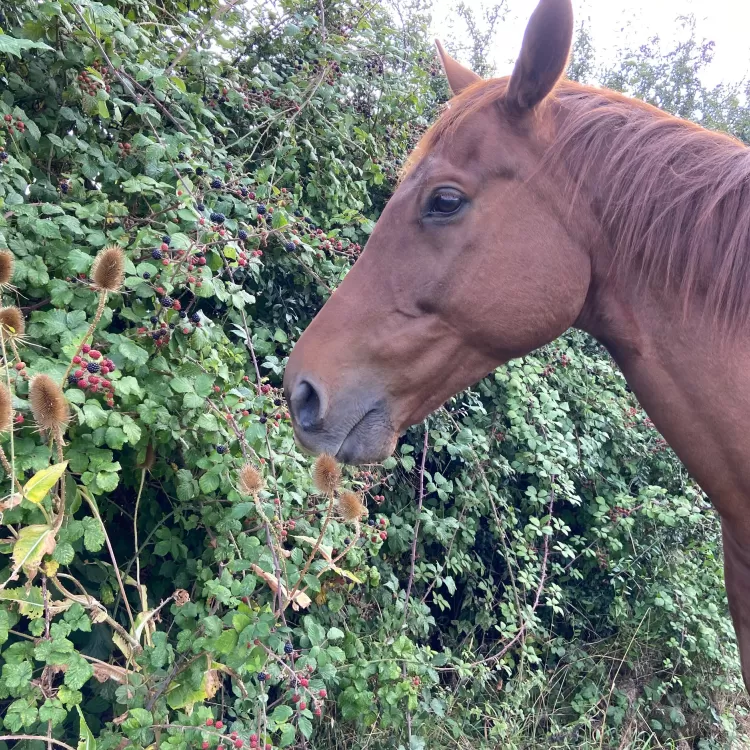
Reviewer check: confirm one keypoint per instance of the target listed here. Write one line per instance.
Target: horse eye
(446, 202)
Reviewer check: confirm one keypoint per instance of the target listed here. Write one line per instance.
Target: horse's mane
(673, 197)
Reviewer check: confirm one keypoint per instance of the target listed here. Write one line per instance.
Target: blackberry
(243, 192)
(166, 239)
(261, 209)
(290, 247)
(92, 367)
(200, 254)
(156, 335)
(146, 275)
(72, 379)
(221, 449)
(263, 419)
(262, 676)
(371, 522)
(347, 541)
(166, 301)
(183, 314)
(200, 207)
(3, 155)
(308, 220)
(182, 156)
(288, 648)
(154, 319)
(195, 317)
(216, 183)
(172, 326)
(242, 234)
(217, 218)
(297, 213)
(277, 402)
(156, 254)
(64, 187)
(200, 171)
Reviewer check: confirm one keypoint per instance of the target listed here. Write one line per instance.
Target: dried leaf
(300, 599)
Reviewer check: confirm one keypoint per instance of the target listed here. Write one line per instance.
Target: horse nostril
(305, 405)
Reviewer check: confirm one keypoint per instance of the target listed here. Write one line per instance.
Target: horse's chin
(370, 441)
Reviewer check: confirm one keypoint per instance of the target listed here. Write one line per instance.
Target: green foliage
(566, 588)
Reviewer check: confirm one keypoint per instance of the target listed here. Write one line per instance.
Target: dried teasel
(7, 261)
(326, 474)
(6, 408)
(108, 269)
(350, 506)
(12, 322)
(48, 404)
(250, 481)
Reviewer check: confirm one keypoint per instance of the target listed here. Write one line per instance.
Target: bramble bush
(181, 189)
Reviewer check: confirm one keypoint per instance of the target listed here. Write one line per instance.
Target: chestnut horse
(531, 206)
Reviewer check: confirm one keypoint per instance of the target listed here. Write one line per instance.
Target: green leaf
(78, 672)
(334, 634)
(94, 415)
(131, 351)
(11, 46)
(305, 726)
(52, 710)
(102, 109)
(4, 626)
(227, 642)
(33, 543)
(93, 535)
(36, 489)
(86, 739)
(281, 714)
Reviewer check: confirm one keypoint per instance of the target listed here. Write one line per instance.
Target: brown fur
(578, 207)
(673, 197)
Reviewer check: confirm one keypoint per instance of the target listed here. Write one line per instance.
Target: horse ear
(458, 76)
(544, 54)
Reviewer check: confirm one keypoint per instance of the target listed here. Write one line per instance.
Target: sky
(616, 23)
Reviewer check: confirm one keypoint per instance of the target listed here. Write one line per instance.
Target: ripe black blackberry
(166, 239)
(288, 647)
(200, 171)
(290, 247)
(200, 207)
(221, 449)
(216, 183)
(156, 254)
(242, 234)
(243, 192)
(166, 301)
(154, 319)
(92, 367)
(195, 317)
(263, 419)
(183, 314)
(72, 379)
(217, 218)
(172, 326)
(182, 156)
(262, 676)
(146, 275)
(261, 209)
(277, 402)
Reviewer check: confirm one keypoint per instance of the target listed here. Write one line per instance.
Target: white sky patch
(619, 23)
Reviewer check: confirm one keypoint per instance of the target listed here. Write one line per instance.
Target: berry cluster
(91, 373)
(91, 84)
(18, 124)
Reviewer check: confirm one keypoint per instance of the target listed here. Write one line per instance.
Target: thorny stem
(95, 511)
(40, 738)
(416, 524)
(12, 472)
(135, 532)
(315, 549)
(89, 602)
